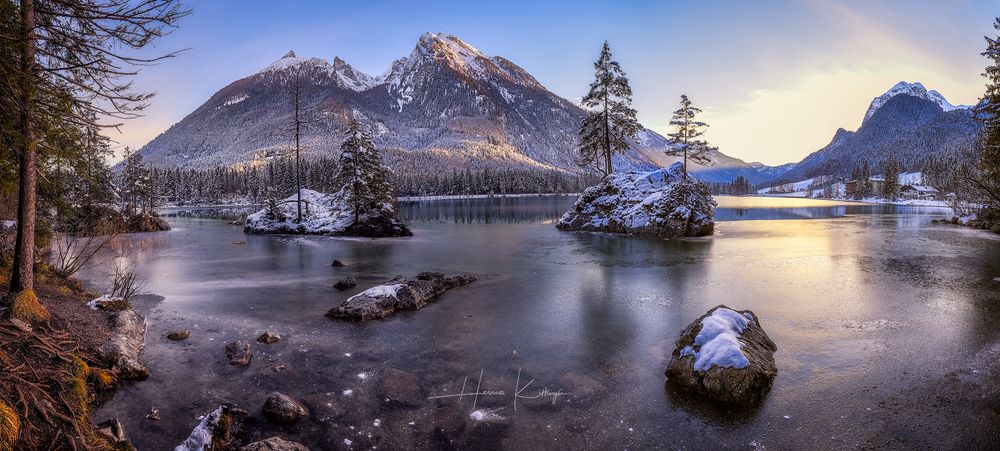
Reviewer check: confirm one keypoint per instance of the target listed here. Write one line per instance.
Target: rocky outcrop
(147, 221)
(400, 294)
(274, 444)
(662, 204)
(239, 353)
(121, 353)
(325, 214)
(280, 408)
(724, 356)
(269, 337)
(216, 431)
(113, 431)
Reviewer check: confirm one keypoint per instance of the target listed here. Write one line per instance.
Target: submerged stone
(280, 408)
(239, 353)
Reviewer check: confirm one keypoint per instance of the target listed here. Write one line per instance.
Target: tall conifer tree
(610, 122)
(360, 172)
(686, 136)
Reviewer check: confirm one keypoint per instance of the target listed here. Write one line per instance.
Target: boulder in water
(724, 356)
(239, 353)
(280, 408)
(401, 294)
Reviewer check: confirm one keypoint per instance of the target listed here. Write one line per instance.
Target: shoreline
(398, 199)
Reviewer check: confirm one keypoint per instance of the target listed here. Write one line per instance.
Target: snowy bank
(659, 203)
(403, 294)
(325, 214)
(724, 356)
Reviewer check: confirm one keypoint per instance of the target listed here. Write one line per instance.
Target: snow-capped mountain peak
(915, 89)
(351, 78)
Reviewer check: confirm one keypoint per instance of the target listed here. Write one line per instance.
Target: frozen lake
(886, 327)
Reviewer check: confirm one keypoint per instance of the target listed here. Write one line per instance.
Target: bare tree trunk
(607, 137)
(298, 171)
(22, 276)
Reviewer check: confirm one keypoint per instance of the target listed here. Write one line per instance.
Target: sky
(776, 79)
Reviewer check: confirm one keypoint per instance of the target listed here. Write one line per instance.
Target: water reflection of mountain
(224, 213)
(548, 209)
(496, 210)
(821, 212)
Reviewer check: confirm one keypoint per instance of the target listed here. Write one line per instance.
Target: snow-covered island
(363, 206)
(663, 203)
(326, 214)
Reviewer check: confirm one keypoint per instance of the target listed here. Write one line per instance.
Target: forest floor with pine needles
(50, 377)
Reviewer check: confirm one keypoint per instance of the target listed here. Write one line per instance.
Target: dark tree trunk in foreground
(24, 248)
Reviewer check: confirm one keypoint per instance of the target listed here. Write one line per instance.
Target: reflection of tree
(606, 325)
(611, 294)
(498, 210)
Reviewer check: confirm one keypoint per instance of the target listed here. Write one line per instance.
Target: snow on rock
(719, 341)
(404, 294)
(659, 203)
(724, 356)
(325, 214)
(215, 430)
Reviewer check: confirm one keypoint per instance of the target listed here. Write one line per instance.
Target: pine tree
(685, 138)
(361, 174)
(865, 182)
(986, 180)
(610, 122)
(79, 53)
(890, 188)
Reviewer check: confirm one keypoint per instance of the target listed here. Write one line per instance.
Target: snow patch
(235, 99)
(718, 342)
(201, 437)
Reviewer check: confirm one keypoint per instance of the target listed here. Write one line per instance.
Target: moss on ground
(10, 427)
(25, 307)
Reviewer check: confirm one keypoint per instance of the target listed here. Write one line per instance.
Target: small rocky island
(363, 206)
(664, 203)
(326, 214)
(399, 294)
(724, 356)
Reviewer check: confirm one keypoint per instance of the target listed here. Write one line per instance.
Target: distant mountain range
(448, 106)
(907, 121)
(445, 106)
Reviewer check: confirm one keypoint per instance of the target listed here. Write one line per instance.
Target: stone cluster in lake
(326, 214)
(398, 294)
(724, 356)
(663, 203)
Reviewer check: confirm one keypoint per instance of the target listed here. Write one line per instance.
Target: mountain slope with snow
(446, 105)
(908, 121)
(915, 90)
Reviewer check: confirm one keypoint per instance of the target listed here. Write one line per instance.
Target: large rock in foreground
(121, 352)
(724, 356)
(401, 294)
(660, 204)
(325, 214)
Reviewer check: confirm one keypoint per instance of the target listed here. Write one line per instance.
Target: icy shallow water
(886, 327)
